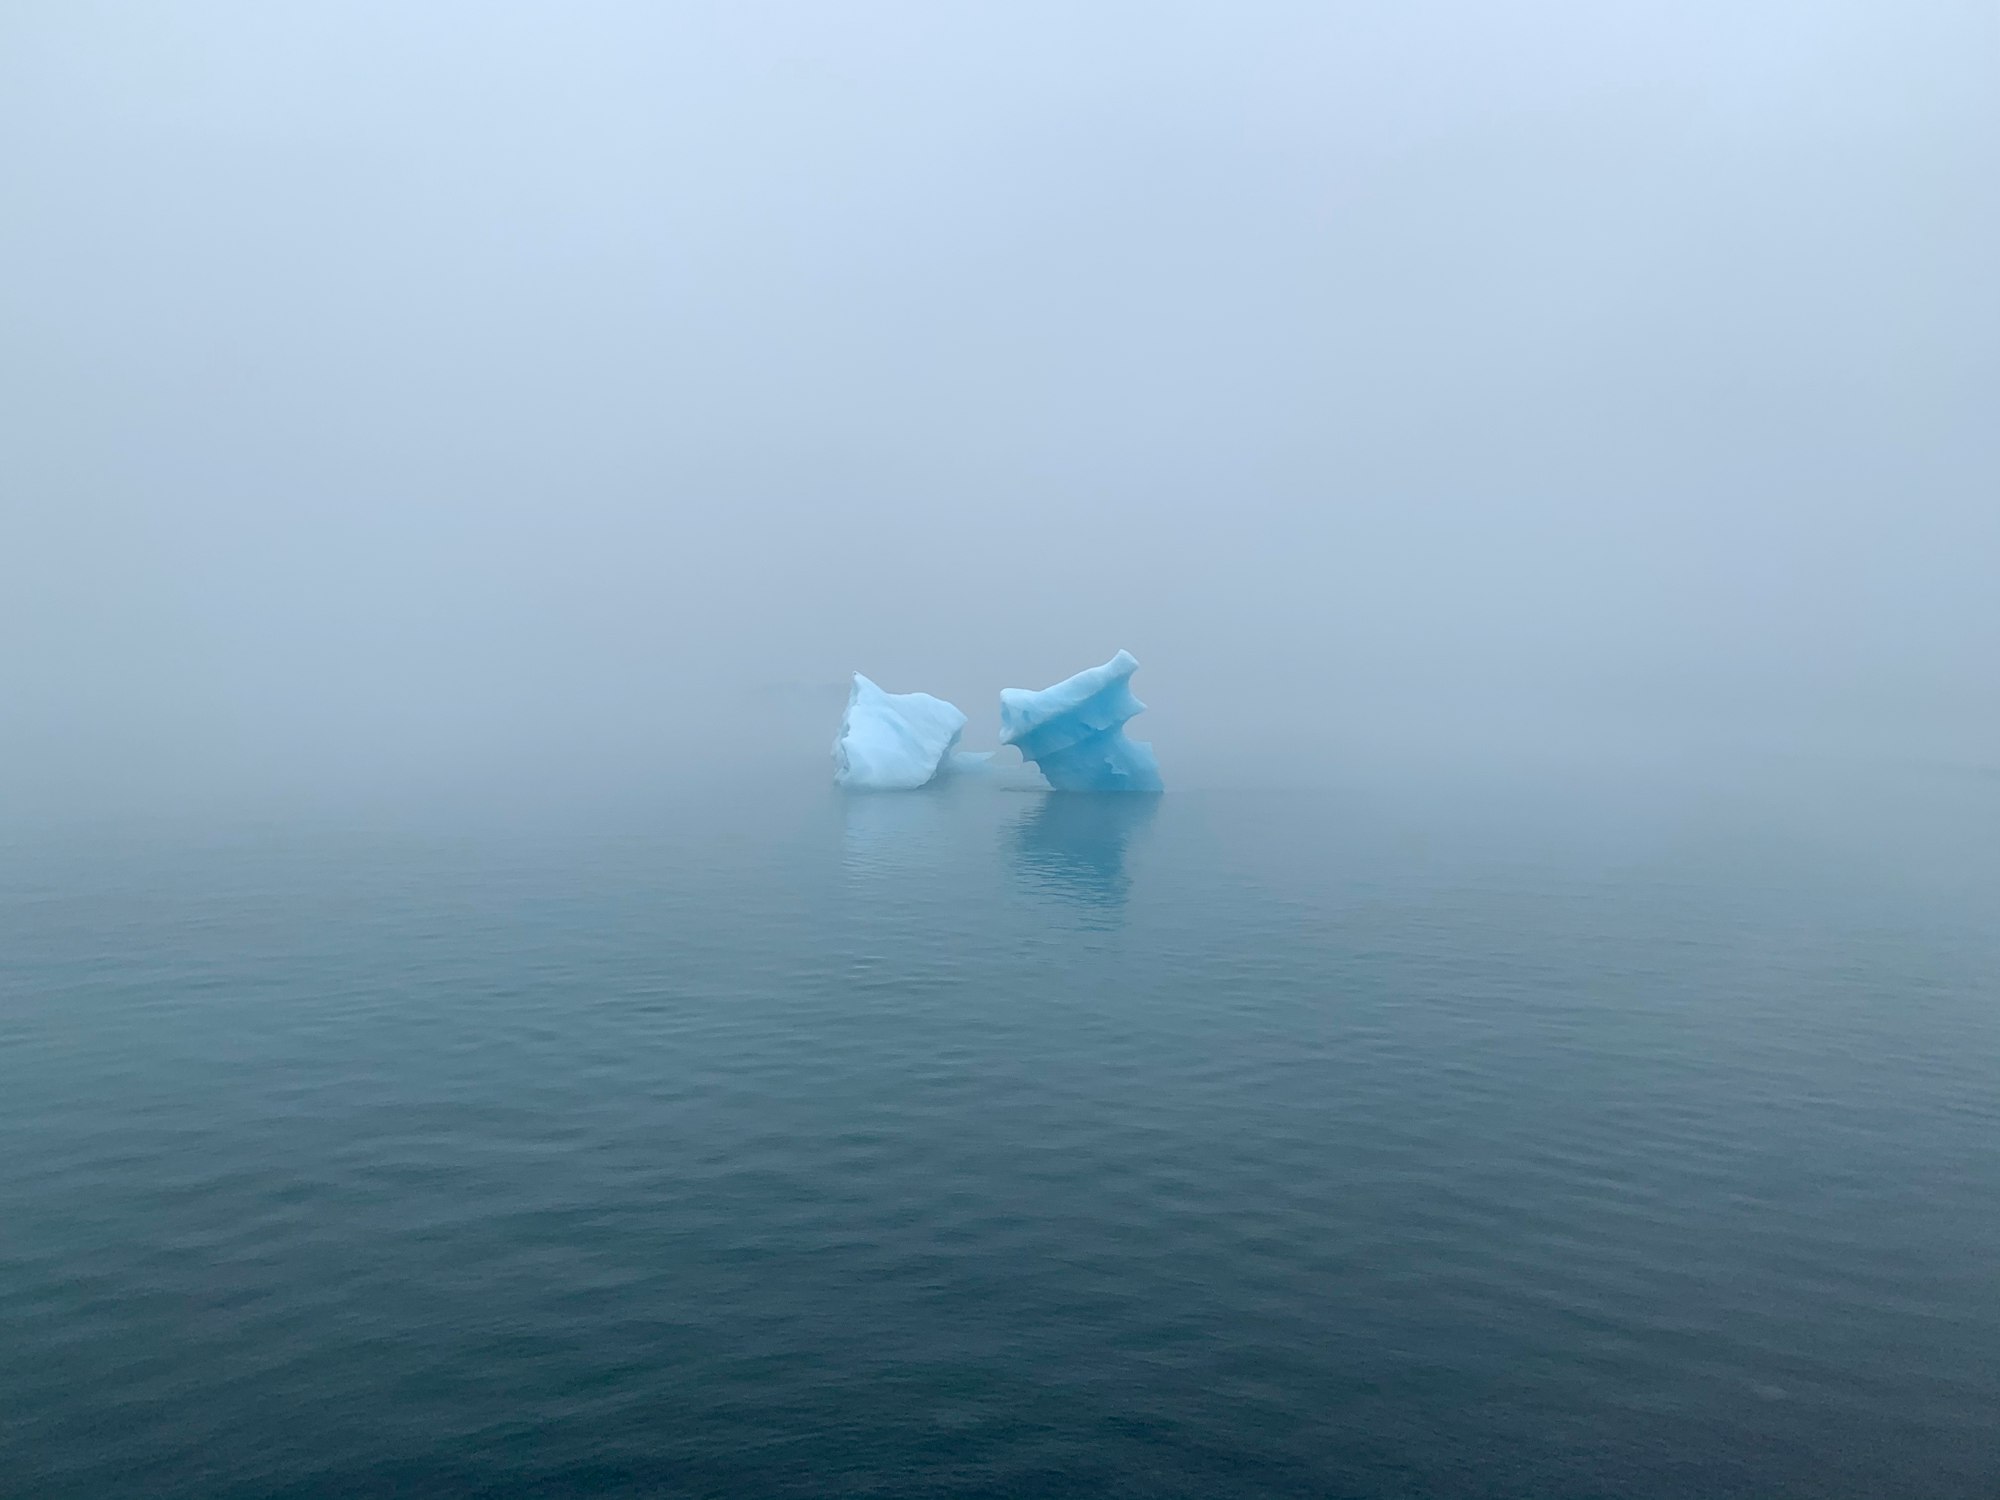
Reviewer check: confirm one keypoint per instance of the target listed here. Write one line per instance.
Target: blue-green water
(1468, 1138)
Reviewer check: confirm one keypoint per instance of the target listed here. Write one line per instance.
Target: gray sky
(399, 393)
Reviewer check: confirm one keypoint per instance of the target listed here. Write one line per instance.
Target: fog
(404, 397)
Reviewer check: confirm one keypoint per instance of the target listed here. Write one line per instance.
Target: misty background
(406, 399)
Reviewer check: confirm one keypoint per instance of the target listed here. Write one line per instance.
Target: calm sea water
(1439, 1136)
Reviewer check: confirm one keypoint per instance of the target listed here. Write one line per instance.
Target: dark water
(1467, 1138)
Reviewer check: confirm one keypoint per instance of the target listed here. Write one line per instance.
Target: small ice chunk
(892, 742)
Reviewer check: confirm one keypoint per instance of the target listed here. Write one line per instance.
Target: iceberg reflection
(900, 836)
(1072, 845)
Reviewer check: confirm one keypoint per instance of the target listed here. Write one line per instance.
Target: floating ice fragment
(892, 742)
(1075, 732)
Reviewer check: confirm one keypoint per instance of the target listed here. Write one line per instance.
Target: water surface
(1476, 1137)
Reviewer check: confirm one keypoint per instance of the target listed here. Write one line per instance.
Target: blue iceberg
(893, 742)
(1075, 731)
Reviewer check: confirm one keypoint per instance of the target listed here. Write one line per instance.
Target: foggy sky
(396, 394)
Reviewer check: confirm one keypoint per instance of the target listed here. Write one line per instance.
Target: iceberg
(893, 742)
(1075, 731)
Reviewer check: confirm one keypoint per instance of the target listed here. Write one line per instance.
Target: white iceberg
(893, 742)
(1075, 730)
